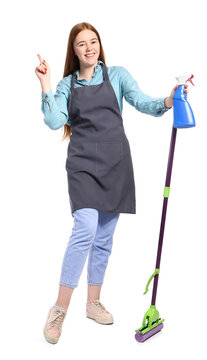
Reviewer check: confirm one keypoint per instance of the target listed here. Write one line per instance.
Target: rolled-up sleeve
(57, 114)
(135, 97)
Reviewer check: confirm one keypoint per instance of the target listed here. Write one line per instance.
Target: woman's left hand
(169, 100)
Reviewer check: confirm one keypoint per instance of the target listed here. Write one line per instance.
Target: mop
(183, 118)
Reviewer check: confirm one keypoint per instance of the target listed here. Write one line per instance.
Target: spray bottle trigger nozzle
(190, 79)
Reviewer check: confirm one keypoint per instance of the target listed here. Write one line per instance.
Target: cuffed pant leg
(83, 233)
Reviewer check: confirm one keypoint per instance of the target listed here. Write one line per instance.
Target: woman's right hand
(43, 71)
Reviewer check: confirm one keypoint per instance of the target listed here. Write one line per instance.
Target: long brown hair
(72, 62)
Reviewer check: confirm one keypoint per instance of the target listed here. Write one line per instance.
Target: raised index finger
(40, 57)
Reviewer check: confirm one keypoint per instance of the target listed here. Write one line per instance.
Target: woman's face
(86, 43)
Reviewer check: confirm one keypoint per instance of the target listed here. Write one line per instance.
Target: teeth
(89, 55)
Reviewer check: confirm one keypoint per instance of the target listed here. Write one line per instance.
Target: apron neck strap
(105, 72)
(105, 75)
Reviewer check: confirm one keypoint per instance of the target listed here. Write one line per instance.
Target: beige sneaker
(96, 311)
(53, 326)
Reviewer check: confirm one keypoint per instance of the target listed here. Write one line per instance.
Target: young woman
(88, 104)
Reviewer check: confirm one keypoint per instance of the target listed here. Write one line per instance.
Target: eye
(92, 42)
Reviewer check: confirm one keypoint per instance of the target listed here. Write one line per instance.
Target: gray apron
(99, 165)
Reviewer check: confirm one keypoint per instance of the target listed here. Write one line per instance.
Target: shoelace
(100, 305)
(57, 318)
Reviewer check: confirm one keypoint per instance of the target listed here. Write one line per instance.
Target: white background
(156, 41)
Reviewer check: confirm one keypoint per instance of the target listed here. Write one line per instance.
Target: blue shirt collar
(97, 68)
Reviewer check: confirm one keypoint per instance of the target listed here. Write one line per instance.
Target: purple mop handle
(164, 211)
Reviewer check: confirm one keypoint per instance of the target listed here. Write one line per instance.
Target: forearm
(54, 117)
(46, 86)
(168, 102)
(147, 104)
(55, 106)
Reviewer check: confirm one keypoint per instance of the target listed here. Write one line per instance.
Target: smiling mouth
(90, 55)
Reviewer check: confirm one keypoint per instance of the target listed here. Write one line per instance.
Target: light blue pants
(92, 233)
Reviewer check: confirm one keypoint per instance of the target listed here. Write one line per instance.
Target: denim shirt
(123, 84)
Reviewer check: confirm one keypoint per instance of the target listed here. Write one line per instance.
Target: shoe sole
(98, 319)
(49, 338)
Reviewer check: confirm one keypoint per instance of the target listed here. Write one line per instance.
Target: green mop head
(151, 325)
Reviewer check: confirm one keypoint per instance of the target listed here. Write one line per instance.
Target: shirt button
(93, 76)
(46, 97)
(96, 67)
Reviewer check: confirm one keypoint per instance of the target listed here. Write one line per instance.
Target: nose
(89, 47)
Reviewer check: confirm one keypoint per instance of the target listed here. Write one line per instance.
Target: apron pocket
(108, 155)
(81, 156)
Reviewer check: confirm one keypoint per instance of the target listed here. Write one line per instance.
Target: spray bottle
(183, 114)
